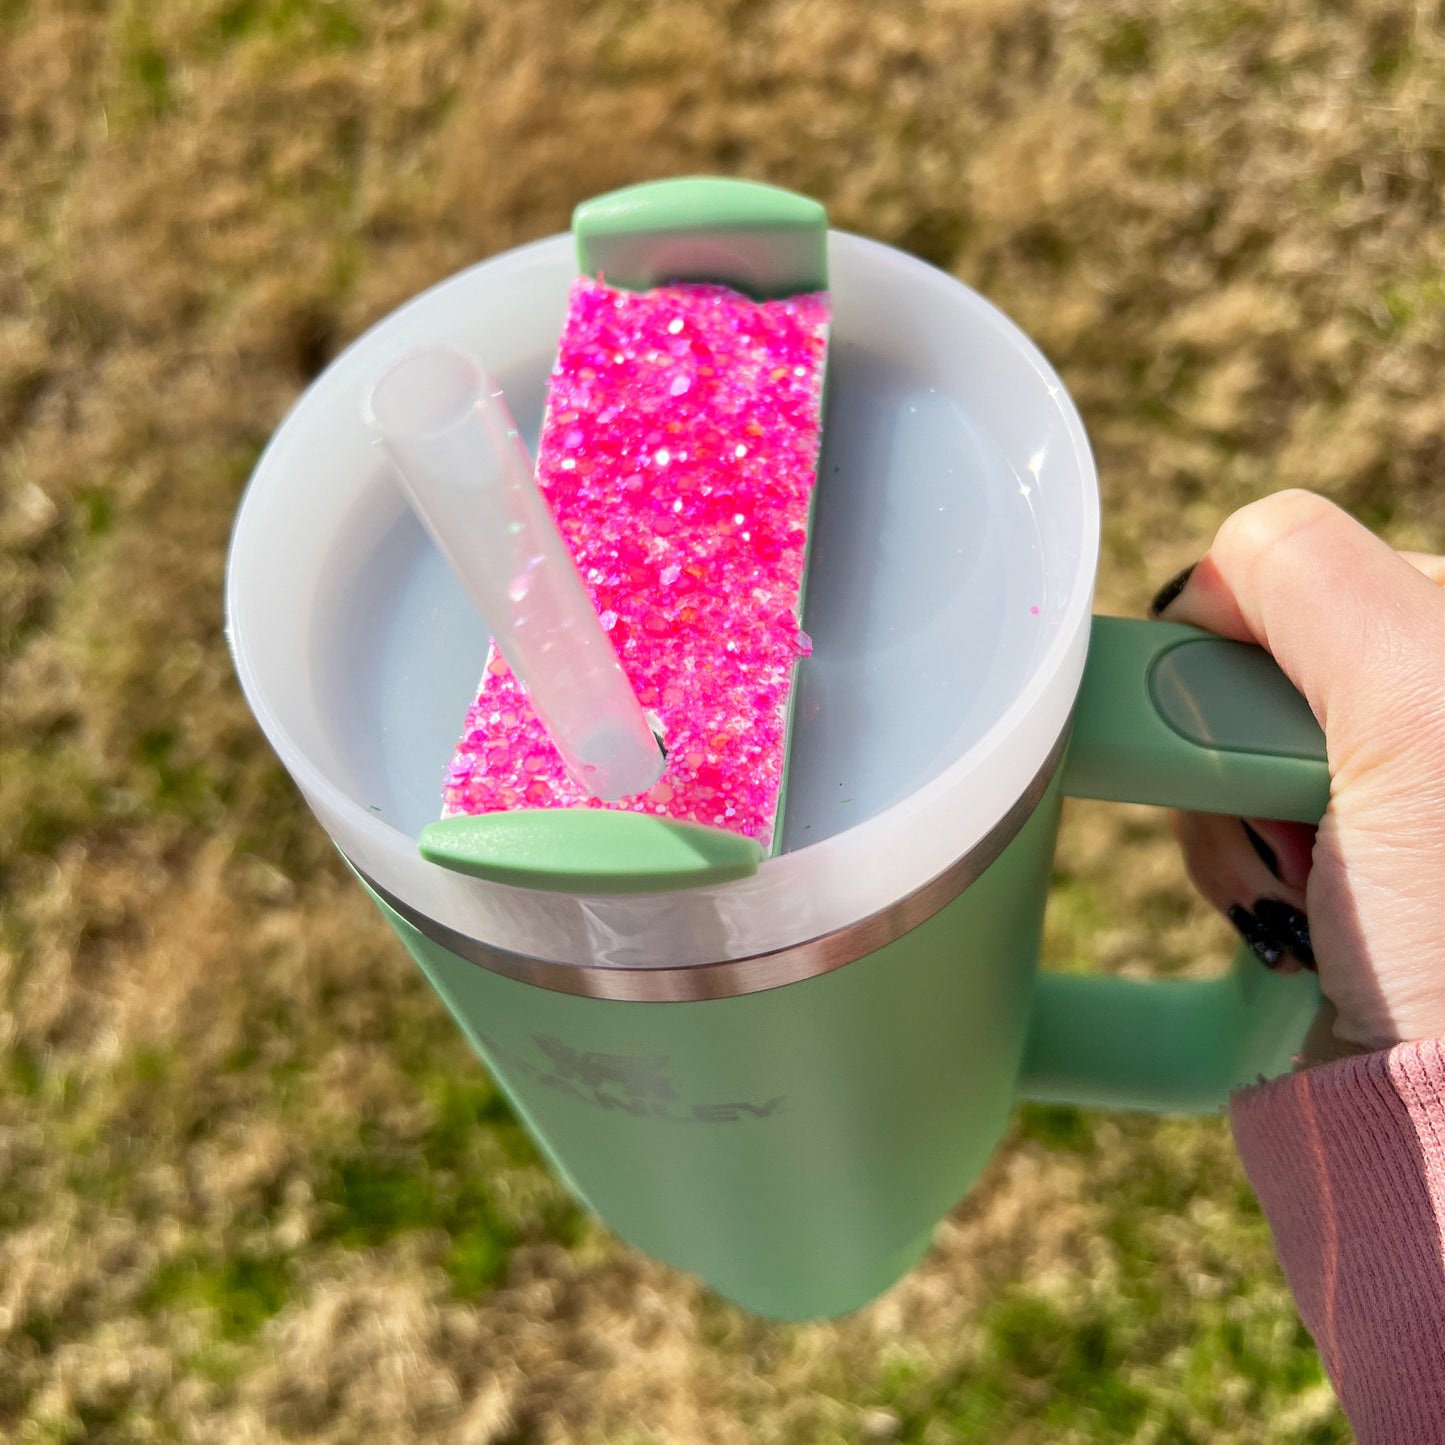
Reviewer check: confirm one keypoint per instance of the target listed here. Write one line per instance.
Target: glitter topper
(679, 455)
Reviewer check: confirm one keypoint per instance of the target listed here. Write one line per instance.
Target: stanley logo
(625, 1083)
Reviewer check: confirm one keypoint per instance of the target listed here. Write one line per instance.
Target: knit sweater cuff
(1348, 1160)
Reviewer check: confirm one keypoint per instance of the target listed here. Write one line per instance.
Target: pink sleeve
(1348, 1160)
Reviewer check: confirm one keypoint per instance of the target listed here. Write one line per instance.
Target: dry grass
(251, 1186)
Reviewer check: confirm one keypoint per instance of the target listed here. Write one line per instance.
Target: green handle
(1178, 717)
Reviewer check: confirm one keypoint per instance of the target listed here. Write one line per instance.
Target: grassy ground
(252, 1187)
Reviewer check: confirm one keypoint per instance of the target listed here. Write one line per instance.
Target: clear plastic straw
(466, 472)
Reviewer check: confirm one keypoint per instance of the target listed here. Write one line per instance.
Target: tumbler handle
(1181, 718)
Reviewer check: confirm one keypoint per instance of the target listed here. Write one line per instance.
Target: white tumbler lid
(950, 587)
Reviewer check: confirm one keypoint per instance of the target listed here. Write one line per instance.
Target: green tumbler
(781, 1081)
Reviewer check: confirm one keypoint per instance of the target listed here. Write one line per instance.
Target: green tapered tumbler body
(794, 1147)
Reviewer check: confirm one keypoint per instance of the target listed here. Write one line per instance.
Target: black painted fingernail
(1170, 590)
(1288, 923)
(1268, 949)
(1266, 853)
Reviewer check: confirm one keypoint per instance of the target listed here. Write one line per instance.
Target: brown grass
(1222, 221)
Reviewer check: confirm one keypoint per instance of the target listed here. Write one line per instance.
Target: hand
(1360, 630)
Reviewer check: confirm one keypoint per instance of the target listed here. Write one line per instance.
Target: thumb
(1356, 628)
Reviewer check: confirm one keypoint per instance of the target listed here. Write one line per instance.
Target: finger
(1431, 567)
(1333, 604)
(1223, 865)
(1268, 914)
(1427, 565)
(1285, 849)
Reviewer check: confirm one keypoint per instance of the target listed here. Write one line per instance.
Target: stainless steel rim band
(732, 977)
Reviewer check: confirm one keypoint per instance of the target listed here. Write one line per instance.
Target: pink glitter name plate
(679, 456)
